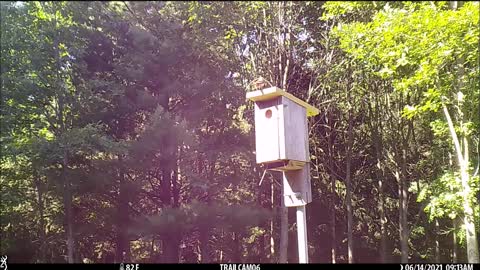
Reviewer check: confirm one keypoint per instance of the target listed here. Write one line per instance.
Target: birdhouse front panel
(267, 127)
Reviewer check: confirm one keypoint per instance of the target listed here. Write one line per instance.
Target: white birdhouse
(281, 129)
(281, 140)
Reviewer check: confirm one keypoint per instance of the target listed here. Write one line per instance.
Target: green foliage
(417, 46)
(444, 197)
(421, 49)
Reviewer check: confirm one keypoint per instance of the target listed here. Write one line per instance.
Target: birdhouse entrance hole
(268, 114)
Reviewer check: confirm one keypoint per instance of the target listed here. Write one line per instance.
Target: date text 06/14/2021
(239, 266)
(436, 266)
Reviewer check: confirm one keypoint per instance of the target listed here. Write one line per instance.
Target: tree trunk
(236, 258)
(222, 235)
(262, 254)
(333, 195)
(349, 188)
(205, 229)
(381, 208)
(67, 189)
(67, 201)
(272, 233)
(204, 248)
(403, 232)
(166, 185)
(455, 252)
(463, 163)
(333, 221)
(176, 181)
(437, 242)
(383, 221)
(171, 248)
(67, 192)
(469, 218)
(403, 193)
(122, 252)
(41, 218)
(403, 196)
(173, 239)
(471, 234)
(152, 250)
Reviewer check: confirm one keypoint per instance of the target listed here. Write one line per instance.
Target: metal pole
(302, 234)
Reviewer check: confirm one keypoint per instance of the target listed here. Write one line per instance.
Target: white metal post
(302, 234)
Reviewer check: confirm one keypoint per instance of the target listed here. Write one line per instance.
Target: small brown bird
(260, 83)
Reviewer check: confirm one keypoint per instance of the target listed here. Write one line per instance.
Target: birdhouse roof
(272, 92)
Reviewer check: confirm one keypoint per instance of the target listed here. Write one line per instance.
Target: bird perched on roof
(260, 83)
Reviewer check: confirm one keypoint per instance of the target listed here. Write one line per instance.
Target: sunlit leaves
(414, 46)
(439, 128)
(409, 111)
(445, 195)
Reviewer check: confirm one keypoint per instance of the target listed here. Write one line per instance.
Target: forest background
(126, 136)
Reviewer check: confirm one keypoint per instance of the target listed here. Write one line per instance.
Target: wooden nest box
(281, 129)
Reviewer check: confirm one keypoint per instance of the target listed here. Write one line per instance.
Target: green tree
(429, 50)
